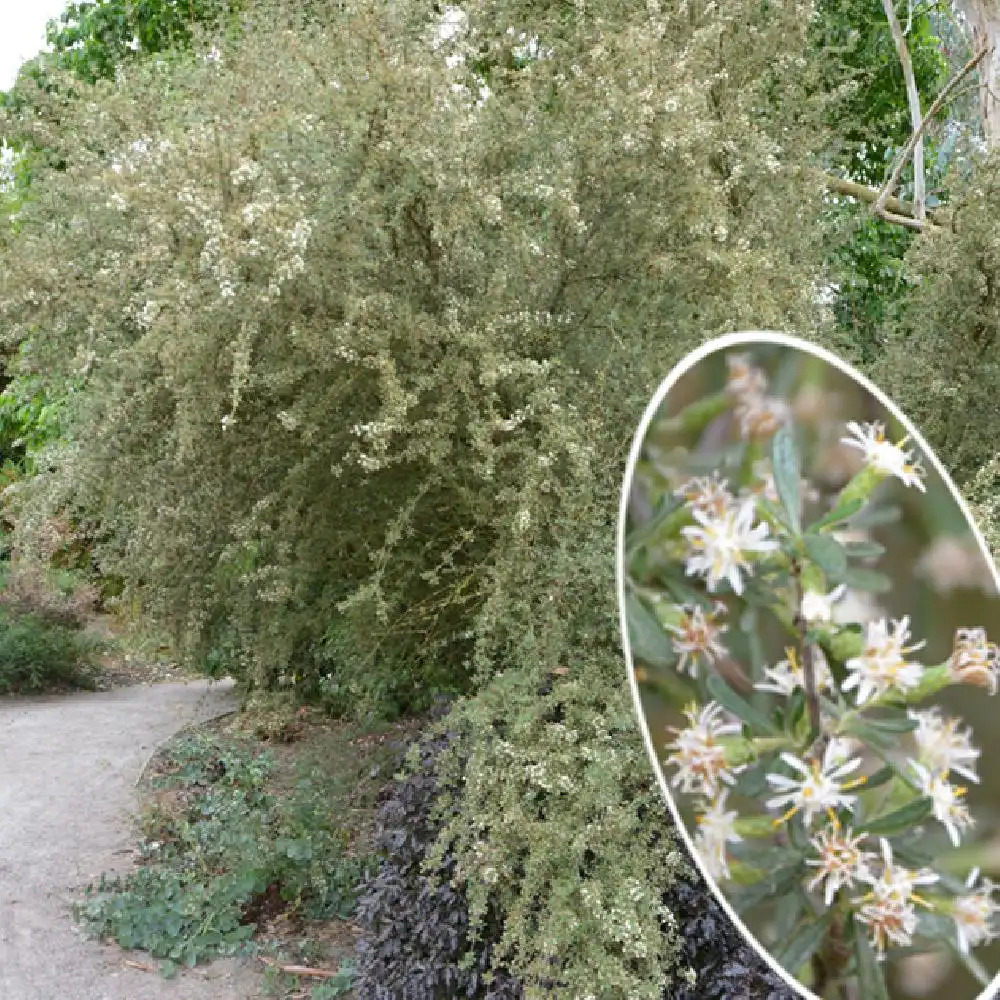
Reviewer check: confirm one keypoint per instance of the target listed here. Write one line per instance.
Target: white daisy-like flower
(716, 828)
(821, 789)
(761, 416)
(698, 754)
(883, 665)
(745, 378)
(818, 607)
(721, 544)
(888, 920)
(975, 660)
(841, 860)
(949, 809)
(942, 746)
(697, 637)
(881, 454)
(709, 494)
(888, 907)
(787, 675)
(973, 914)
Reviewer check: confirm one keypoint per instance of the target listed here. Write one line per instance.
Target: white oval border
(751, 337)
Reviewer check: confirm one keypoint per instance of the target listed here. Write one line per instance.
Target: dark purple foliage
(417, 926)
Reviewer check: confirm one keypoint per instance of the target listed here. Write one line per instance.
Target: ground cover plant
(827, 779)
(241, 852)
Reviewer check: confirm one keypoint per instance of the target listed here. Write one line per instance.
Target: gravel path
(68, 766)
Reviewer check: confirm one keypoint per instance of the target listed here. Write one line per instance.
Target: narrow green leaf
(893, 723)
(864, 550)
(787, 474)
(774, 513)
(646, 637)
(900, 819)
(839, 514)
(828, 554)
(857, 726)
(871, 983)
(881, 776)
(775, 885)
(728, 698)
(803, 944)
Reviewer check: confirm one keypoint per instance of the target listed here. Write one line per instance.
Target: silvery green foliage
(417, 925)
(365, 319)
(351, 329)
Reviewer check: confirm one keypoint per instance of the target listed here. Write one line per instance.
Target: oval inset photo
(809, 618)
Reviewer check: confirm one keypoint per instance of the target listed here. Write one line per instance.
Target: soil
(68, 768)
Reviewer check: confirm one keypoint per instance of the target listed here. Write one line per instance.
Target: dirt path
(68, 765)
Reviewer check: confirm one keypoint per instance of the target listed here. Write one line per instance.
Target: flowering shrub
(810, 781)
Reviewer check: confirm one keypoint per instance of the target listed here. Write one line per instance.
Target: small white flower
(744, 379)
(973, 914)
(697, 637)
(841, 861)
(213, 55)
(820, 789)
(698, 755)
(716, 828)
(786, 676)
(709, 494)
(721, 545)
(949, 810)
(818, 607)
(881, 454)
(452, 24)
(888, 908)
(975, 660)
(942, 746)
(883, 665)
(761, 416)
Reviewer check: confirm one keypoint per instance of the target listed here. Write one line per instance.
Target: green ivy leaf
(787, 474)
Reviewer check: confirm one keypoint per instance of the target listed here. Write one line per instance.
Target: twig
(903, 158)
(299, 970)
(913, 100)
(841, 185)
(141, 966)
(806, 657)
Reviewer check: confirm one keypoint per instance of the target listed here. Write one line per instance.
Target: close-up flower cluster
(803, 728)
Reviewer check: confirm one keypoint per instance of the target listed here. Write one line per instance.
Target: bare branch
(900, 212)
(913, 100)
(901, 160)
